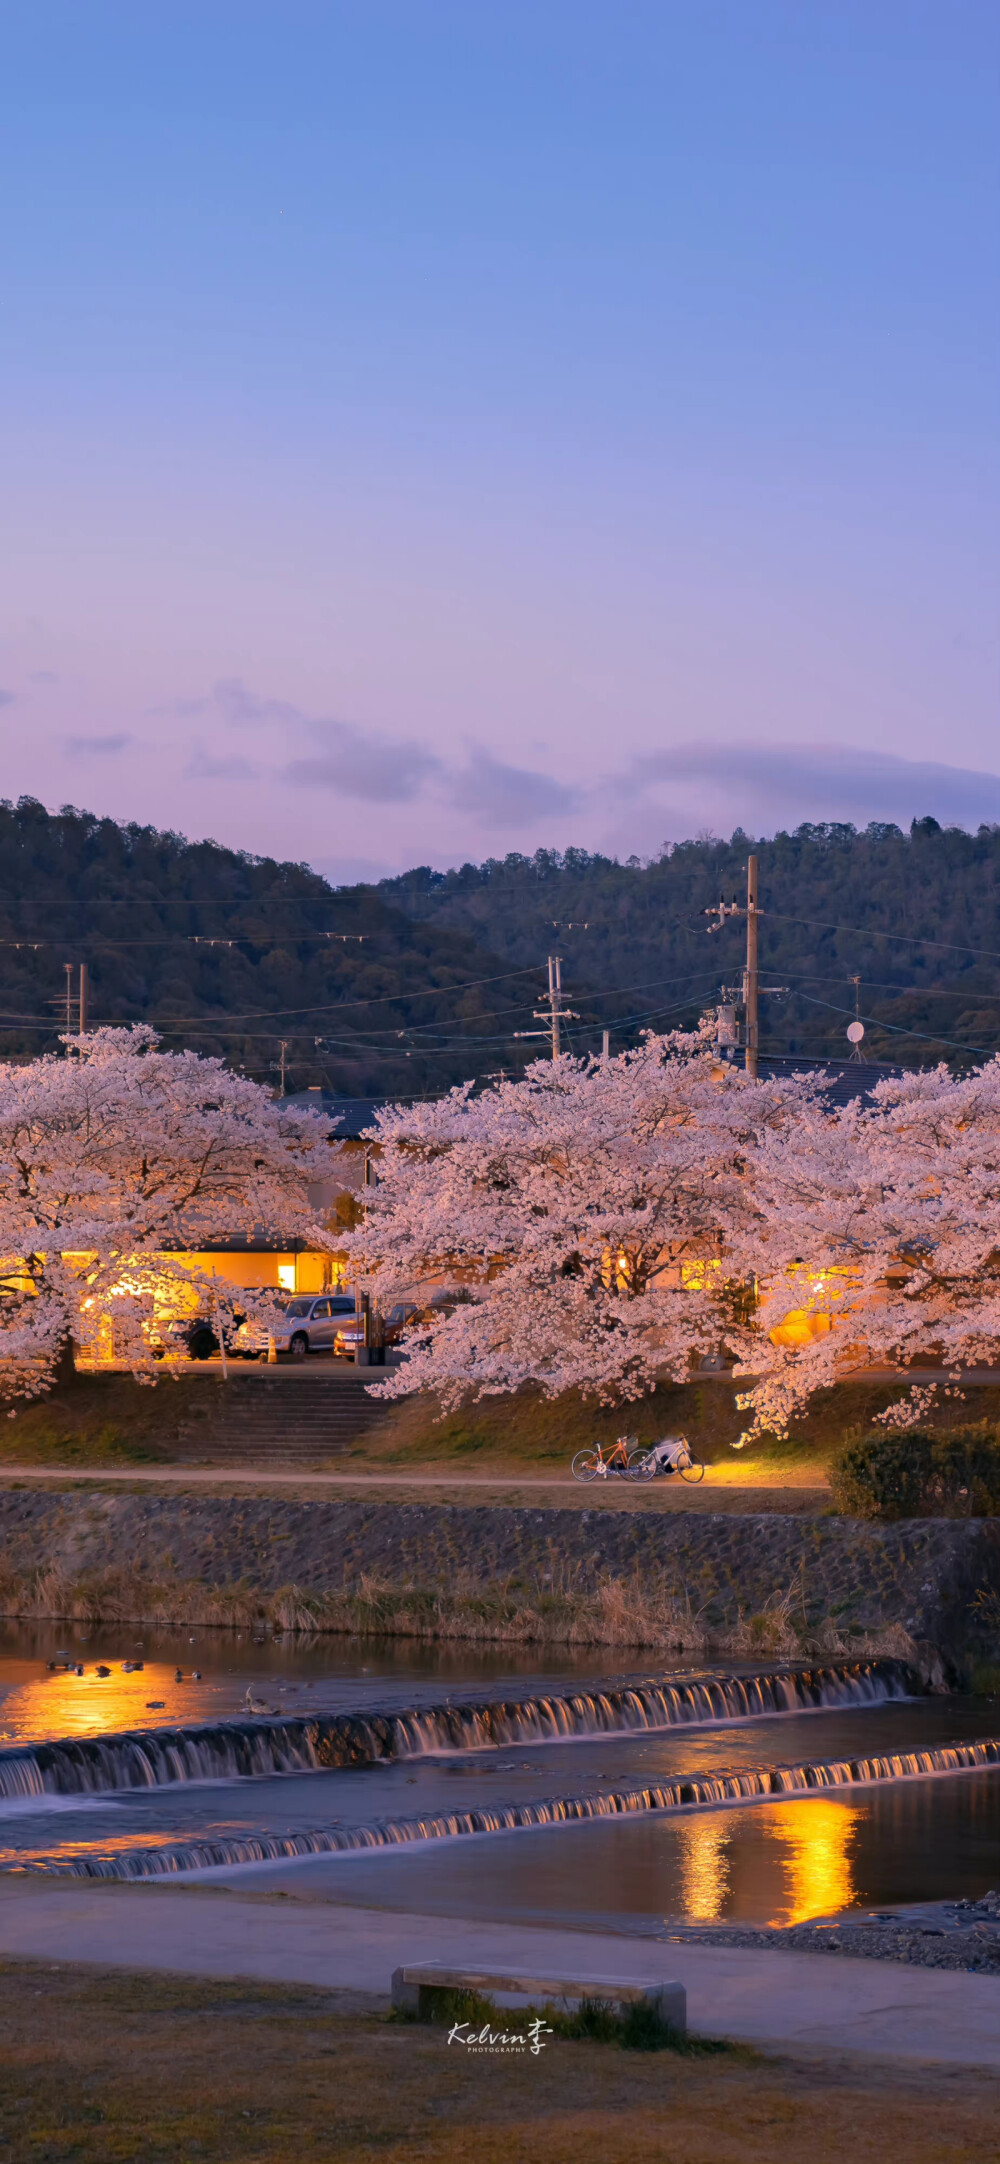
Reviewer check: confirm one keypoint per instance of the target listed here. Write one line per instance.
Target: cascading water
(751, 1785)
(650, 1706)
(155, 1758)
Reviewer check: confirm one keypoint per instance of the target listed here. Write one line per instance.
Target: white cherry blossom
(114, 1159)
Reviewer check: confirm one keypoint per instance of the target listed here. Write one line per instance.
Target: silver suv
(308, 1324)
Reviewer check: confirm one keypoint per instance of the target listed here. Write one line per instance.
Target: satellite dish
(855, 1031)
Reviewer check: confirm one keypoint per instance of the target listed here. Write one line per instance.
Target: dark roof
(847, 1078)
(351, 1113)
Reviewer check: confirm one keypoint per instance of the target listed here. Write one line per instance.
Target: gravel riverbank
(938, 1935)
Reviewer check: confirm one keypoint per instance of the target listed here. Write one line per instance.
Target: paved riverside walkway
(783, 2000)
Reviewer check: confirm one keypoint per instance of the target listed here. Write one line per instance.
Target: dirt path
(800, 1489)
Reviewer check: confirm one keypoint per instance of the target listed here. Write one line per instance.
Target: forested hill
(914, 915)
(424, 980)
(230, 953)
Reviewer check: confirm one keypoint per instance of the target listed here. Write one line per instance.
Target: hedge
(918, 1473)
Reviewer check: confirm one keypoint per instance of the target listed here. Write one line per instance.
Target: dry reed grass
(561, 1611)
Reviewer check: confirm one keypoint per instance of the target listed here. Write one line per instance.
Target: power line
(897, 1029)
(912, 939)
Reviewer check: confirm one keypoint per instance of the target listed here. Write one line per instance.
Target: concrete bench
(413, 1987)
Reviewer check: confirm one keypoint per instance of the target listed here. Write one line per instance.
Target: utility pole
(750, 973)
(68, 967)
(606, 1044)
(553, 1012)
(83, 997)
(722, 910)
(278, 1066)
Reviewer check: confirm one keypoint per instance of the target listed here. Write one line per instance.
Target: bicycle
(625, 1460)
(675, 1457)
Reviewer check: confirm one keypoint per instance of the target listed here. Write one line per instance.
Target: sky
(432, 430)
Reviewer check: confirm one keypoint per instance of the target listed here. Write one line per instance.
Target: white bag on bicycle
(669, 1454)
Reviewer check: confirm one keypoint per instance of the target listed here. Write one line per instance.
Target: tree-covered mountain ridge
(426, 979)
(235, 954)
(913, 915)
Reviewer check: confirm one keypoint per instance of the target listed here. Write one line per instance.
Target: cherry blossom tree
(114, 1158)
(884, 1217)
(616, 1221)
(599, 1212)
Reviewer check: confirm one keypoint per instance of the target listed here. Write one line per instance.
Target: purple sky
(429, 431)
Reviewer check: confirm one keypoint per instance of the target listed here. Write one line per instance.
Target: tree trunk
(64, 1373)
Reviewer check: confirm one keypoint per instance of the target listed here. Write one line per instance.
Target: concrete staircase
(273, 1419)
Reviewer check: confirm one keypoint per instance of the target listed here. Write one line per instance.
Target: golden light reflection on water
(786, 1862)
(89, 1705)
(816, 1865)
(704, 1864)
(75, 1851)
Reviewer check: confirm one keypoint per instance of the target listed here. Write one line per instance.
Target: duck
(178, 1675)
(252, 1704)
(100, 1670)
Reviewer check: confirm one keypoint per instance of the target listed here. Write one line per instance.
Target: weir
(754, 1785)
(157, 1757)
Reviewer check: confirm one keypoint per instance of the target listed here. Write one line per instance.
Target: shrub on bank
(918, 1473)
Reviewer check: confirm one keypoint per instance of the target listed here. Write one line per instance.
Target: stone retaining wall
(939, 1579)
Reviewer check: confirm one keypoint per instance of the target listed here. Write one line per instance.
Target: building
(266, 1264)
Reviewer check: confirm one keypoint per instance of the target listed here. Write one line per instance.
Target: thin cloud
(668, 793)
(763, 787)
(231, 700)
(499, 795)
(97, 747)
(244, 709)
(368, 765)
(204, 766)
(354, 763)
(7, 698)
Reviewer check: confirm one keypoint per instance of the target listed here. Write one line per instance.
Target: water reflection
(800, 1868)
(815, 1858)
(284, 1674)
(925, 1840)
(65, 1704)
(704, 1864)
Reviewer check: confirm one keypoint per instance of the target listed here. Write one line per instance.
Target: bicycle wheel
(585, 1464)
(693, 1469)
(642, 1465)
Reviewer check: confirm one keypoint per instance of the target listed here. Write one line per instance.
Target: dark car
(351, 1335)
(195, 1337)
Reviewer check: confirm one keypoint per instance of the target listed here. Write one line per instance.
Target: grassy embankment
(111, 1421)
(160, 2070)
